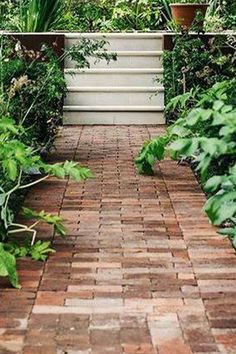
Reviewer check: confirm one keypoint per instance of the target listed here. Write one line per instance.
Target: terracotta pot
(184, 14)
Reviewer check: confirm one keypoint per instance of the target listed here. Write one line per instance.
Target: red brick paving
(141, 270)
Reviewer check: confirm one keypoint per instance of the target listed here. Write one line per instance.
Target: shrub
(87, 15)
(116, 15)
(31, 88)
(8, 15)
(204, 134)
(197, 65)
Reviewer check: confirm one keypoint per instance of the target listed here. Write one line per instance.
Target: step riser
(114, 98)
(114, 79)
(154, 61)
(122, 44)
(110, 118)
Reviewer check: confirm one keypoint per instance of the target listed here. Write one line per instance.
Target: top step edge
(134, 53)
(113, 109)
(137, 52)
(114, 71)
(114, 35)
(113, 89)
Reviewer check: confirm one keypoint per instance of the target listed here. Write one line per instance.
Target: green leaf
(40, 250)
(214, 183)
(206, 114)
(226, 109)
(180, 145)
(193, 117)
(180, 131)
(228, 231)
(8, 266)
(68, 168)
(50, 219)
(221, 207)
(8, 125)
(203, 164)
(218, 105)
(10, 167)
(185, 147)
(208, 146)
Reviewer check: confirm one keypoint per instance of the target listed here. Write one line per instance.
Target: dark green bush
(196, 64)
(33, 87)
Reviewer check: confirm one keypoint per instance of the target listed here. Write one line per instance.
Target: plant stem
(33, 183)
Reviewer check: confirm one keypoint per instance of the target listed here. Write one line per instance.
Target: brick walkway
(141, 270)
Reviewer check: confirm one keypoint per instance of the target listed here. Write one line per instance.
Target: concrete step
(107, 96)
(127, 59)
(113, 117)
(121, 41)
(123, 92)
(106, 108)
(112, 77)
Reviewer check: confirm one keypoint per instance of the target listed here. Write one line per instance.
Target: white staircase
(124, 92)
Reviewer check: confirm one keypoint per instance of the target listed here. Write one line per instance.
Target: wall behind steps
(34, 41)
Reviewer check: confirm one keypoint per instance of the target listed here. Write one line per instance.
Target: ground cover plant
(31, 89)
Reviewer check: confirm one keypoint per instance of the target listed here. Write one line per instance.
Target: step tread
(147, 35)
(134, 53)
(114, 108)
(114, 71)
(114, 89)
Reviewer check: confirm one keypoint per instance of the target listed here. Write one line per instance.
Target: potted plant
(189, 13)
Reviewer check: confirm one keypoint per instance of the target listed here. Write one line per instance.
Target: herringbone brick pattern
(141, 270)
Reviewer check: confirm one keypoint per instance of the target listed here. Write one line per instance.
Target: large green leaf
(214, 183)
(10, 167)
(221, 207)
(8, 266)
(185, 147)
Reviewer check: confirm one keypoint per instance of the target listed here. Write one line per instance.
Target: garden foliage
(116, 15)
(200, 98)
(39, 15)
(196, 64)
(205, 134)
(32, 86)
(32, 89)
(142, 15)
(105, 15)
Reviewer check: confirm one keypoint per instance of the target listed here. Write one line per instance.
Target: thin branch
(33, 183)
